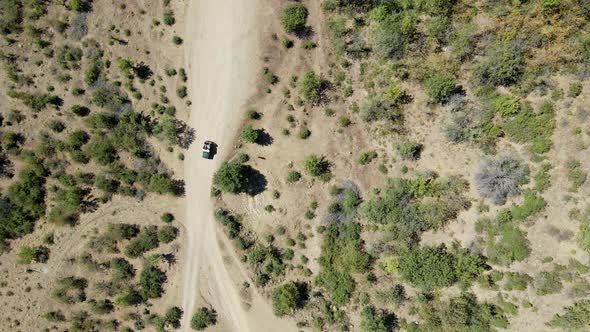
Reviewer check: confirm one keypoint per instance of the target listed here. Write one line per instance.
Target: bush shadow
(256, 181)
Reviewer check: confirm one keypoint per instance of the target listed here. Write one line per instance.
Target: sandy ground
(221, 54)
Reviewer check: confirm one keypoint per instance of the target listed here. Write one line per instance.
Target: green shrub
(293, 18)
(287, 43)
(575, 89)
(168, 17)
(503, 66)
(167, 217)
(304, 133)
(342, 254)
(269, 76)
(533, 128)
(392, 36)
(547, 283)
(317, 166)
(79, 110)
(575, 317)
(168, 129)
(128, 297)
(408, 207)
(532, 205)
(550, 6)
(253, 114)
(344, 121)
(167, 234)
(293, 176)
(373, 321)
(575, 174)
(151, 280)
(542, 179)
(181, 92)
(367, 157)
(249, 134)
(440, 86)
(144, 242)
(409, 150)
(505, 105)
(461, 313)
(505, 242)
(28, 254)
(288, 297)
(310, 87)
(428, 267)
(231, 178)
(121, 269)
(517, 281)
(56, 126)
(203, 318)
(177, 40)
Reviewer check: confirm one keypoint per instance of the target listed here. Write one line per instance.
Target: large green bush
(249, 134)
(408, 207)
(428, 268)
(231, 177)
(151, 282)
(310, 87)
(288, 297)
(293, 18)
(342, 255)
(203, 318)
(440, 86)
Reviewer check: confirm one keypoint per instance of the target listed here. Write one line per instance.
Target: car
(207, 149)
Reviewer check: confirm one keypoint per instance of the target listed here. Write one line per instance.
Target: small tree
(249, 134)
(293, 18)
(203, 318)
(231, 177)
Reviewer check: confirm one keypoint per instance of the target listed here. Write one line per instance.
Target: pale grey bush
(500, 178)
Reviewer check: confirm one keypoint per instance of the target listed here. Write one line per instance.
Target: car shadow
(212, 150)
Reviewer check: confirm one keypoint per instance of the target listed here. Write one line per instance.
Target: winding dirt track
(222, 39)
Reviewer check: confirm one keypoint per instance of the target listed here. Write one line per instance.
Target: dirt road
(222, 39)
